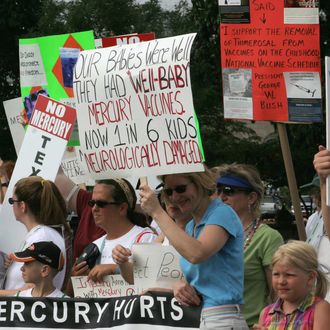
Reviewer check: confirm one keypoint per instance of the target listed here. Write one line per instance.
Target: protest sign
(111, 286)
(327, 104)
(74, 168)
(160, 311)
(155, 266)
(135, 109)
(41, 153)
(13, 110)
(271, 67)
(46, 67)
(124, 39)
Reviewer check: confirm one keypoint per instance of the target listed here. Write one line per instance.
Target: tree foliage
(223, 140)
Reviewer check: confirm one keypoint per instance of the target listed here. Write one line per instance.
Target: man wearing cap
(42, 261)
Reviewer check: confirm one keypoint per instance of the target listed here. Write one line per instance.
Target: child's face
(290, 283)
(31, 271)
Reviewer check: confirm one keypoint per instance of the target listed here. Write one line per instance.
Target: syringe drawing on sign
(307, 90)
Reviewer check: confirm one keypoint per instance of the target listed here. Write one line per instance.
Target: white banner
(152, 311)
(135, 109)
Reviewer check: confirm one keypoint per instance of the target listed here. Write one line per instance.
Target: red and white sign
(41, 153)
(271, 68)
(127, 39)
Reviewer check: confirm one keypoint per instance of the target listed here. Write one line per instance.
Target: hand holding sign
(149, 201)
(120, 254)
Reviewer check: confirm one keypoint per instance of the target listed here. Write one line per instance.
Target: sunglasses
(180, 189)
(11, 201)
(101, 204)
(230, 191)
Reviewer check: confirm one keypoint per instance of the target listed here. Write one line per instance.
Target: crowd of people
(236, 268)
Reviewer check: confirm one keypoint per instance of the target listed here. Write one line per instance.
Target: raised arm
(322, 167)
(211, 240)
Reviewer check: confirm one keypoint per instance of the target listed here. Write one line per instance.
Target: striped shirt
(300, 319)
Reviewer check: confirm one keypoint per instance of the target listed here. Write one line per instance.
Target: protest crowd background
(139, 149)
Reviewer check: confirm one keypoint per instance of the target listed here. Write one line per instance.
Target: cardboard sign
(135, 109)
(111, 286)
(327, 104)
(46, 67)
(41, 153)
(155, 266)
(13, 110)
(271, 66)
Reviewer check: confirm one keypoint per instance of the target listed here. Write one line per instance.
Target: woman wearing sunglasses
(38, 205)
(121, 255)
(211, 247)
(113, 207)
(240, 186)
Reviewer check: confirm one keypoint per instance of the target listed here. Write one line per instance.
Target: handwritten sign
(135, 109)
(261, 64)
(40, 154)
(111, 286)
(155, 266)
(13, 109)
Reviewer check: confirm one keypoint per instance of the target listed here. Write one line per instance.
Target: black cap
(46, 252)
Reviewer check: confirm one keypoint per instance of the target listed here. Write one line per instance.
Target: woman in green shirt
(240, 186)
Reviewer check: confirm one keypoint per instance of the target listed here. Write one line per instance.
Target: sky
(166, 4)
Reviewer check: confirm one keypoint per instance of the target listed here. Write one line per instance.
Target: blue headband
(235, 181)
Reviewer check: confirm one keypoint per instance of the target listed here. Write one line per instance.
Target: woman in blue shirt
(211, 247)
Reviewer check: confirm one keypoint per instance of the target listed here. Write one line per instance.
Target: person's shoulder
(322, 315)
(99, 240)
(323, 306)
(267, 230)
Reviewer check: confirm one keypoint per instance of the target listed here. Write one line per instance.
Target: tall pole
(281, 128)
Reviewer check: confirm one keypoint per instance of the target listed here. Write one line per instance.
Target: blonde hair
(248, 173)
(204, 181)
(303, 256)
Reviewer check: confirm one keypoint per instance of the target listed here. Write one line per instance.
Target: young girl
(300, 287)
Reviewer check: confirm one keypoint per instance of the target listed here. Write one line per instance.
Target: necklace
(249, 231)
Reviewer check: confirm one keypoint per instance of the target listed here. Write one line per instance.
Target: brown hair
(123, 192)
(251, 175)
(44, 200)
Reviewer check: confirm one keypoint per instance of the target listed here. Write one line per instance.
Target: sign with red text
(41, 152)
(110, 286)
(271, 67)
(124, 39)
(327, 104)
(135, 109)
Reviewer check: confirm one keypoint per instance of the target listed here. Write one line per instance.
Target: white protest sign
(32, 71)
(135, 109)
(74, 168)
(327, 105)
(155, 266)
(41, 153)
(13, 109)
(111, 286)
